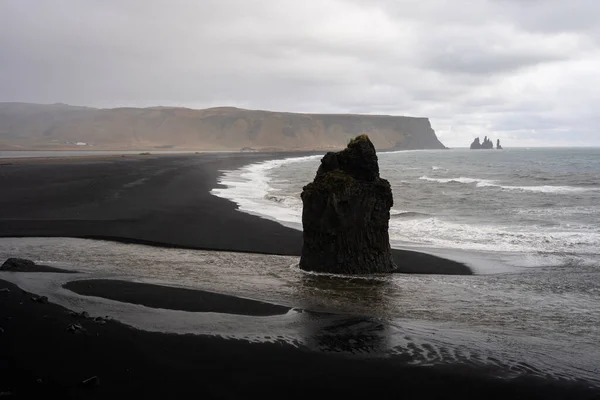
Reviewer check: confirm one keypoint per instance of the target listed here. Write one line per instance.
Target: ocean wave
(491, 183)
(464, 180)
(550, 189)
(261, 190)
(437, 232)
(250, 188)
(408, 215)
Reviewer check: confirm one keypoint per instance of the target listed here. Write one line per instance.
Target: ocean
(525, 220)
(517, 207)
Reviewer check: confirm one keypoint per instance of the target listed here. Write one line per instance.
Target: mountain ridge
(59, 126)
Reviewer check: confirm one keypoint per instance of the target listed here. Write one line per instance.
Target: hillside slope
(58, 126)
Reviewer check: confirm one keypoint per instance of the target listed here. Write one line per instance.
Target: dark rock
(498, 146)
(76, 328)
(476, 144)
(83, 314)
(486, 144)
(346, 214)
(24, 265)
(91, 382)
(40, 299)
(17, 264)
(5, 290)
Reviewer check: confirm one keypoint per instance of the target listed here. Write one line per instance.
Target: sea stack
(476, 145)
(486, 144)
(498, 146)
(346, 214)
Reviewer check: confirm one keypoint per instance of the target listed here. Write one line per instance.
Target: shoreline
(122, 362)
(142, 199)
(158, 200)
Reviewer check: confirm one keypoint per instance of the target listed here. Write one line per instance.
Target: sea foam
(491, 183)
(250, 187)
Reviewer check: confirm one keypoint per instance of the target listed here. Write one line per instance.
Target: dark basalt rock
(498, 147)
(486, 144)
(476, 145)
(23, 265)
(346, 214)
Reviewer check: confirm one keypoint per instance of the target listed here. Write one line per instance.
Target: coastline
(109, 199)
(158, 200)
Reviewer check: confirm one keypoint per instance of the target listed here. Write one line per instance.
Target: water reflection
(344, 334)
(321, 292)
(338, 332)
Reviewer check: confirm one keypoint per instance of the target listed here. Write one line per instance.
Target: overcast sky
(524, 71)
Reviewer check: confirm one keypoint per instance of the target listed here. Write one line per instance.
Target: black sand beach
(157, 200)
(165, 201)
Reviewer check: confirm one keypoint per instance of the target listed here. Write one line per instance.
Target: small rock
(91, 381)
(17, 264)
(39, 381)
(1, 330)
(5, 290)
(99, 320)
(40, 299)
(83, 314)
(6, 394)
(76, 328)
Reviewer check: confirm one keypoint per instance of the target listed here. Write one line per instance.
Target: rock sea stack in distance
(346, 214)
(486, 144)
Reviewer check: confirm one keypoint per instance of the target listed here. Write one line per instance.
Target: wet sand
(42, 359)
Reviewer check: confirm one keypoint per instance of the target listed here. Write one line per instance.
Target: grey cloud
(475, 65)
(471, 61)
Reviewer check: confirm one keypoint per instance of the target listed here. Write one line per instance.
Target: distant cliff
(59, 126)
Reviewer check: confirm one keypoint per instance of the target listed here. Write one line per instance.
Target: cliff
(59, 126)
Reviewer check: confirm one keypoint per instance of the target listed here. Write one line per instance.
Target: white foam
(491, 183)
(250, 188)
(464, 180)
(550, 189)
(493, 238)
